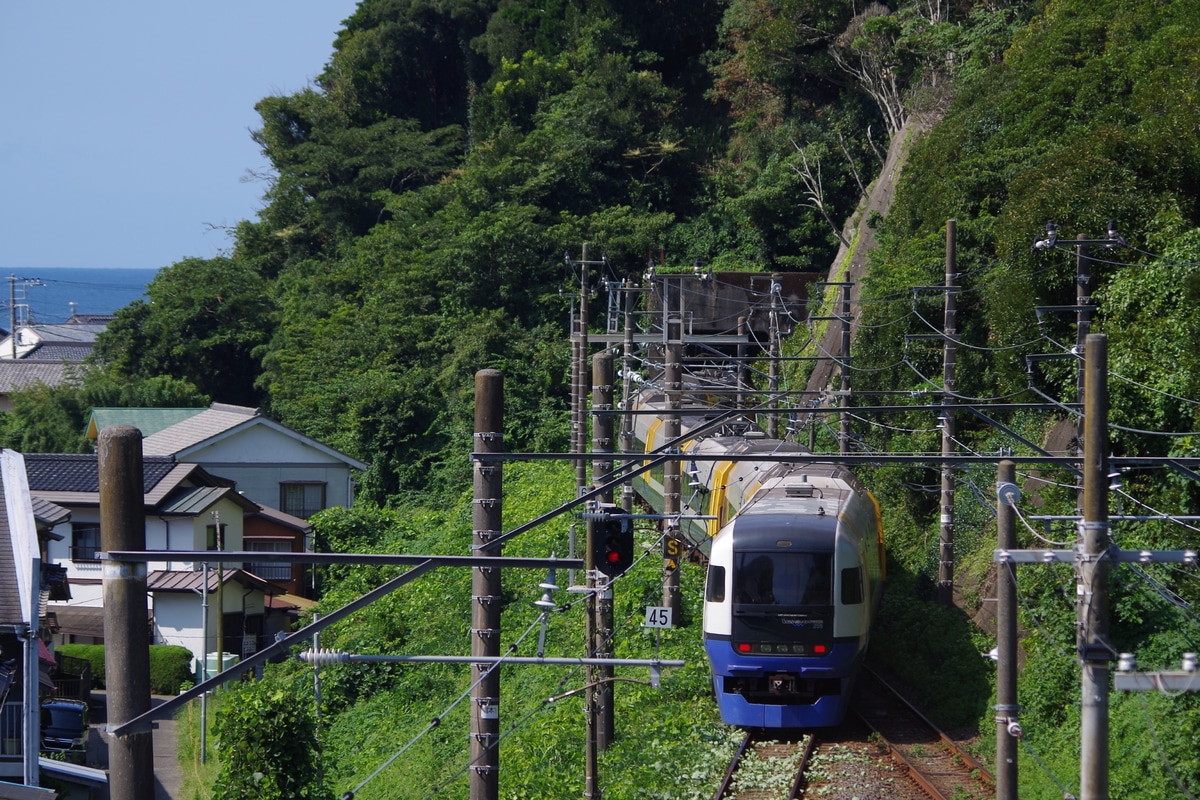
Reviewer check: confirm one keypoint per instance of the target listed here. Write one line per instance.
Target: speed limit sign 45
(658, 617)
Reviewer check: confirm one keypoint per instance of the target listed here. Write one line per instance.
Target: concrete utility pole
(1091, 596)
(579, 417)
(1007, 727)
(844, 371)
(485, 588)
(672, 426)
(949, 386)
(126, 622)
(602, 442)
(773, 353)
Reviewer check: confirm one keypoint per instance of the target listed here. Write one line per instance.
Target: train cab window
(852, 589)
(715, 592)
(788, 579)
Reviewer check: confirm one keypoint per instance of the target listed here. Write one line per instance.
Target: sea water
(50, 296)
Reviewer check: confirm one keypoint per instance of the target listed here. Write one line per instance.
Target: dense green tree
(46, 419)
(203, 322)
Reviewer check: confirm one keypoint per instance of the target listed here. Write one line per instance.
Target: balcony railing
(11, 732)
(84, 553)
(271, 571)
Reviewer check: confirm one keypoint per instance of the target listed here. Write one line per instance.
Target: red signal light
(743, 648)
(819, 649)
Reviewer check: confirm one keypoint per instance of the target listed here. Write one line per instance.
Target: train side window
(716, 585)
(852, 589)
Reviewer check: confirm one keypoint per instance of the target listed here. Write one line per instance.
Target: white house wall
(178, 620)
(260, 458)
(162, 533)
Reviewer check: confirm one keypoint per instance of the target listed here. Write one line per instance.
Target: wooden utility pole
(949, 386)
(1091, 595)
(485, 588)
(126, 622)
(1007, 727)
(579, 416)
(602, 442)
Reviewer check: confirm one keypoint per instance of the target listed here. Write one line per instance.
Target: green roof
(147, 420)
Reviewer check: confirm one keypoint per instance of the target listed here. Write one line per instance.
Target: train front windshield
(783, 579)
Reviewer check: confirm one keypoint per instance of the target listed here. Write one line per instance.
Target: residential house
(18, 375)
(186, 508)
(272, 464)
(68, 342)
(25, 586)
(47, 354)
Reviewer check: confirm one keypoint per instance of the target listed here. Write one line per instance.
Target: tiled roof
(22, 374)
(147, 420)
(281, 518)
(47, 513)
(190, 501)
(210, 422)
(81, 333)
(221, 420)
(79, 620)
(162, 580)
(80, 472)
(60, 352)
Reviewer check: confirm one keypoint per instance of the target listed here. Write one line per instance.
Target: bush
(170, 665)
(170, 668)
(92, 653)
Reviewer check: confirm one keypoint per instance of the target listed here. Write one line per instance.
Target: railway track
(768, 769)
(886, 750)
(924, 754)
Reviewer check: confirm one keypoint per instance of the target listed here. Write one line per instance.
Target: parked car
(65, 727)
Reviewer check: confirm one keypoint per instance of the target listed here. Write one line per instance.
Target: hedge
(170, 665)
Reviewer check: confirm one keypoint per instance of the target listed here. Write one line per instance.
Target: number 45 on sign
(658, 617)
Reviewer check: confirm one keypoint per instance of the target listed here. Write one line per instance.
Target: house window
(268, 570)
(301, 499)
(213, 542)
(85, 541)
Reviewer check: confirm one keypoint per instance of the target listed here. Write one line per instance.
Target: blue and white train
(795, 568)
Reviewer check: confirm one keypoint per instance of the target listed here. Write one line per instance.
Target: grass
(198, 777)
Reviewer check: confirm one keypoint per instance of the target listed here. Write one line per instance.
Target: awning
(79, 620)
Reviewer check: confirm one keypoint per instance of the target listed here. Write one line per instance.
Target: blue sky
(125, 125)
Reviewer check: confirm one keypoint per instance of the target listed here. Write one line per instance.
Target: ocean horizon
(51, 296)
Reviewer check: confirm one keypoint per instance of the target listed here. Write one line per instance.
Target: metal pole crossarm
(657, 337)
(1184, 680)
(1188, 557)
(598, 515)
(166, 709)
(326, 657)
(930, 337)
(1039, 310)
(1157, 681)
(835, 393)
(947, 289)
(358, 559)
(796, 458)
(1036, 357)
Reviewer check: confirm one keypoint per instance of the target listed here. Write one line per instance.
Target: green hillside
(421, 198)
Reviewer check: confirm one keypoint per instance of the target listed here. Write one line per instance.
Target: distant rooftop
(147, 420)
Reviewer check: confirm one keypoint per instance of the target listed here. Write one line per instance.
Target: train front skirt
(783, 691)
